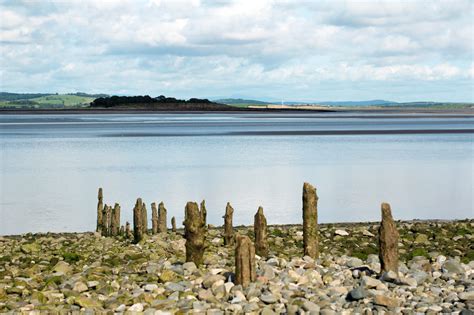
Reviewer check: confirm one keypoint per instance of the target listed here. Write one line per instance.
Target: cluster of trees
(146, 99)
(5, 96)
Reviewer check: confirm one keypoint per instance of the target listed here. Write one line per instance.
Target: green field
(49, 101)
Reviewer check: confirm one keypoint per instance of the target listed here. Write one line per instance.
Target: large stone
(310, 221)
(466, 296)
(137, 307)
(30, 248)
(80, 287)
(311, 306)
(167, 276)
(210, 280)
(341, 232)
(370, 282)
(357, 294)
(388, 241)
(62, 267)
(86, 302)
(453, 266)
(421, 239)
(189, 266)
(268, 298)
(386, 301)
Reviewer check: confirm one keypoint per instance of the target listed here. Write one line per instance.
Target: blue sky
(274, 50)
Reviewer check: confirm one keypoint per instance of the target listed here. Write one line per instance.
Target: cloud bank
(298, 50)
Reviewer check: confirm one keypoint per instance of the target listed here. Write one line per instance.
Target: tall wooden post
(310, 221)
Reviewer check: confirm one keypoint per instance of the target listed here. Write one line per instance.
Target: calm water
(52, 165)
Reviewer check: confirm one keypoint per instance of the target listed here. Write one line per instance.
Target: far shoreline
(356, 112)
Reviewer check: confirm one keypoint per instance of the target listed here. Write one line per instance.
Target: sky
(269, 50)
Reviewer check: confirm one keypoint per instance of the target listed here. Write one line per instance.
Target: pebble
(466, 296)
(137, 307)
(268, 298)
(386, 301)
(80, 287)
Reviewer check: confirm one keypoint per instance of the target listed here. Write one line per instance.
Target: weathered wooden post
(162, 228)
(244, 261)
(128, 231)
(138, 221)
(115, 221)
(228, 229)
(173, 224)
(310, 221)
(388, 241)
(194, 233)
(100, 209)
(204, 212)
(260, 231)
(106, 220)
(154, 218)
(144, 219)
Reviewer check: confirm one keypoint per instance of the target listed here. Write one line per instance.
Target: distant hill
(7, 97)
(46, 100)
(158, 103)
(357, 103)
(240, 101)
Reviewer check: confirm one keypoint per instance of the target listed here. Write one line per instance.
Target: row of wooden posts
(195, 230)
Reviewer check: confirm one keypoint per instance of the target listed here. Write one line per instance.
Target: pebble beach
(86, 272)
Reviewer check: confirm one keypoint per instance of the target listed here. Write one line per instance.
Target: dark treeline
(113, 101)
(6, 96)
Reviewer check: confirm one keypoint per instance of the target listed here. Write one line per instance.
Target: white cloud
(194, 47)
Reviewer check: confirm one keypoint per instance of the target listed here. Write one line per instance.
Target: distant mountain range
(383, 103)
(240, 101)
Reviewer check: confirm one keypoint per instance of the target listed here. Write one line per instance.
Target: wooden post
(128, 231)
(154, 218)
(162, 228)
(100, 209)
(173, 224)
(388, 241)
(228, 229)
(204, 212)
(115, 221)
(194, 233)
(260, 230)
(138, 221)
(310, 221)
(106, 220)
(244, 261)
(144, 219)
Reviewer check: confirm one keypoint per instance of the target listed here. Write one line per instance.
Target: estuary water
(52, 165)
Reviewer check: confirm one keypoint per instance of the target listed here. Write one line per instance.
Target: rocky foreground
(61, 273)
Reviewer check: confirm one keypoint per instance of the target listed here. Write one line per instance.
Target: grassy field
(50, 101)
(61, 99)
